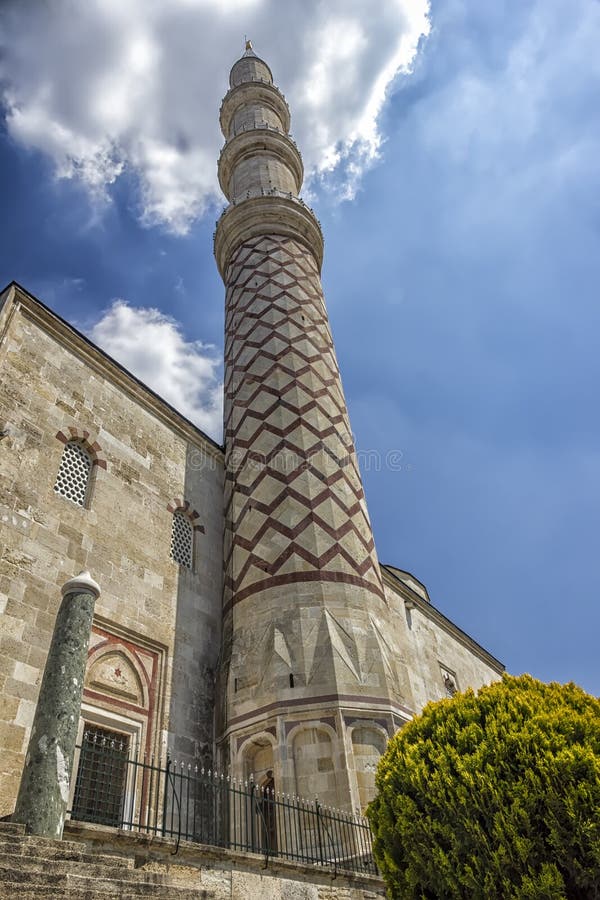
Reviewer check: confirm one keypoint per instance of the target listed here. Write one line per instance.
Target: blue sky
(461, 219)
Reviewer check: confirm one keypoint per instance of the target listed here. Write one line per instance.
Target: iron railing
(179, 800)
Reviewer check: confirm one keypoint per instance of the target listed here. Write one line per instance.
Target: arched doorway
(259, 768)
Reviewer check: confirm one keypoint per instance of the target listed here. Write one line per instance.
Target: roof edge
(154, 402)
(427, 607)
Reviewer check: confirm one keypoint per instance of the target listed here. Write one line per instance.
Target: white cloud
(104, 86)
(152, 346)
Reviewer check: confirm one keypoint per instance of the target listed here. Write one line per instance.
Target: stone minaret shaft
(304, 609)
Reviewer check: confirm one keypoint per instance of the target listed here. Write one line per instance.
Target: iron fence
(178, 800)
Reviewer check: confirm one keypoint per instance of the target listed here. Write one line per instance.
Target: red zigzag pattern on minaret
(295, 507)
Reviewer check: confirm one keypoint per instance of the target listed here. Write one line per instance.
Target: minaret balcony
(268, 212)
(248, 150)
(253, 93)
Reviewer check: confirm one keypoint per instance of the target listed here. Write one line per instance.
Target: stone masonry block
(26, 673)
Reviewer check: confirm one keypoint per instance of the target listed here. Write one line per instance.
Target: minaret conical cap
(249, 67)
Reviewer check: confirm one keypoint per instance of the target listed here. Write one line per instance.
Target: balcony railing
(180, 801)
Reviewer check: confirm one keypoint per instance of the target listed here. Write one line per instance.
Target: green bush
(494, 795)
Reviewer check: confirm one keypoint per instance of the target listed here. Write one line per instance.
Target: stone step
(49, 879)
(57, 850)
(37, 844)
(11, 890)
(14, 890)
(113, 889)
(11, 828)
(100, 879)
(101, 866)
(154, 893)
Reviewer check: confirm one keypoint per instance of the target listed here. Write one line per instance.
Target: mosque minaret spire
(305, 653)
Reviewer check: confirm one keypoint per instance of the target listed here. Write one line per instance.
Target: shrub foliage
(494, 795)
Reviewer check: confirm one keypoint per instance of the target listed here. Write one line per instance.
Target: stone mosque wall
(64, 406)
(436, 656)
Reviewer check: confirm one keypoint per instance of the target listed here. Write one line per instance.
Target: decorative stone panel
(314, 764)
(125, 675)
(368, 745)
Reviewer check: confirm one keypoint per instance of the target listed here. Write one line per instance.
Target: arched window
(73, 477)
(182, 539)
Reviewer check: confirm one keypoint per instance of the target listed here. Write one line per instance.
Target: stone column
(45, 783)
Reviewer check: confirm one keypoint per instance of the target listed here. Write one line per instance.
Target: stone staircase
(33, 867)
(99, 863)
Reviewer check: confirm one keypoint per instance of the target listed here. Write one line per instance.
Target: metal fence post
(319, 835)
(166, 796)
(252, 816)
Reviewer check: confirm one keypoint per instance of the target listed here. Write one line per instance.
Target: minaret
(306, 659)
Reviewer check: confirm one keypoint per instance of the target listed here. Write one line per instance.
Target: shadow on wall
(198, 619)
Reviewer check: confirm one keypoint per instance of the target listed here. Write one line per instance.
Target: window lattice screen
(74, 473)
(182, 538)
(101, 776)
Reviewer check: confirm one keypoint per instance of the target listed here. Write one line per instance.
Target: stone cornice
(259, 92)
(431, 612)
(80, 346)
(257, 142)
(315, 707)
(266, 214)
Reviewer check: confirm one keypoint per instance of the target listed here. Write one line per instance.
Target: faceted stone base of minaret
(324, 747)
